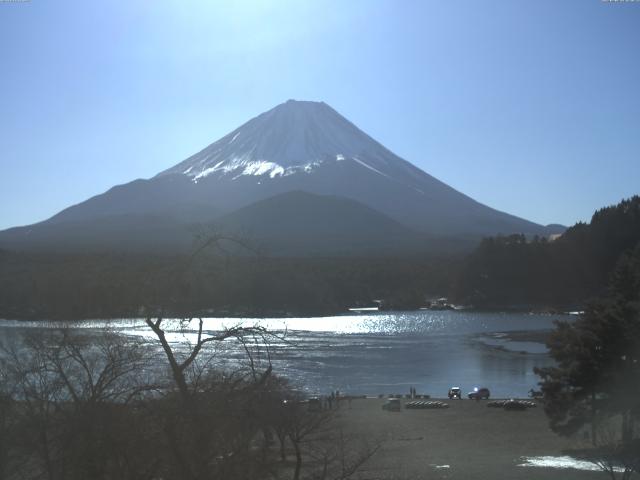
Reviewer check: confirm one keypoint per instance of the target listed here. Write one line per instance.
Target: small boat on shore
(364, 309)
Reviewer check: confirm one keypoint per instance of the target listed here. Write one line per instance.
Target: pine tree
(597, 371)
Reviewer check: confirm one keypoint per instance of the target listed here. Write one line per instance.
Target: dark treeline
(503, 272)
(47, 286)
(514, 271)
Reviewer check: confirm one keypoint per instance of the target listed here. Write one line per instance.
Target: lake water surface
(377, 353)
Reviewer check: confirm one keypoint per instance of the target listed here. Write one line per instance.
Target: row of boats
(394, 405)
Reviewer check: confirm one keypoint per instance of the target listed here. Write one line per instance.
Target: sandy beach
(466, 440)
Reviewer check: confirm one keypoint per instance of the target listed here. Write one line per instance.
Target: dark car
(454, 392)
(479, 394)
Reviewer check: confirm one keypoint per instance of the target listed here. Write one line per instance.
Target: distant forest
(501, 273)
(521, 273)
(42, 286)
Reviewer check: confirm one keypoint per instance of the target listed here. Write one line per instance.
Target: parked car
(455, 392)
(536, 394)
(479, 393)
(392, 405)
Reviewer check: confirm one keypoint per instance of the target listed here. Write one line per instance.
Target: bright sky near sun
(531, 107)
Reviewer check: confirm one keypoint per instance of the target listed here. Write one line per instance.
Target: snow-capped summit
(294, 137)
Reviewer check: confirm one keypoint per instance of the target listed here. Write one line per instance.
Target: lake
(376, 353)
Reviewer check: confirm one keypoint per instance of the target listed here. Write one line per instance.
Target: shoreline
(289, 315)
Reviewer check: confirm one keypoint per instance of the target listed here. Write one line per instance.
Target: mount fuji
(300, 177)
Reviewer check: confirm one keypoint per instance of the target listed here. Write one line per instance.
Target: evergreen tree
(513, 271)
(597, 375)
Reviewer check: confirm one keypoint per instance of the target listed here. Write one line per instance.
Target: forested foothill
(504, 272)
(539, 273)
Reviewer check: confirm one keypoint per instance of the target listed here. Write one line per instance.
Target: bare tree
(210, 428)
(72, 395)
(339, 456)
(179, 367)
(7, 407)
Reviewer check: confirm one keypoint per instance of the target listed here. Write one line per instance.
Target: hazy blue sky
(531, 107)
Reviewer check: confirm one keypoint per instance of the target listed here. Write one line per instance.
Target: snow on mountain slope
(296, 137)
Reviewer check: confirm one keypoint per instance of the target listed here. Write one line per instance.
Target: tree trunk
(593, 420)
(296, 474)
(176, 371)
(282, 439)
(627, 427)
